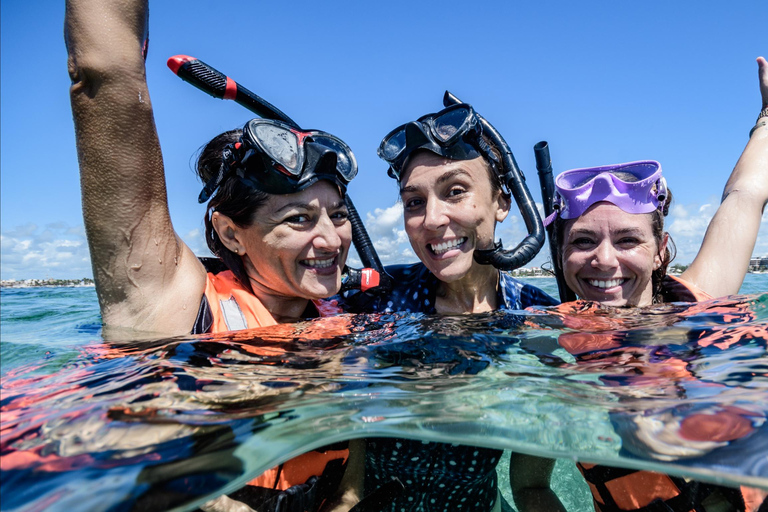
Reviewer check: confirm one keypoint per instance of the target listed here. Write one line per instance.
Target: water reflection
(679, 388)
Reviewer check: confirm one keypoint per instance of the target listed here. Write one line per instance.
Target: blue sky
(602, 82)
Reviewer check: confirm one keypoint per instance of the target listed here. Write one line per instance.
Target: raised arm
(146, 278)
(722, 262)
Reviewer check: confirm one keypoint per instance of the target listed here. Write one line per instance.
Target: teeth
(606, 284)
(445, 246)
(319, 263)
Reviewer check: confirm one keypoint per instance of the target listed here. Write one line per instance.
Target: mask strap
(227, 162)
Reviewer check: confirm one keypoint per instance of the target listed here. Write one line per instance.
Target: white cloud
(195, 240)
(385, 229)
(61, 251)
(56, 250)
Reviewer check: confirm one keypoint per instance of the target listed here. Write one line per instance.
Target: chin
(323, 290)
(448, 275)
(454, 271)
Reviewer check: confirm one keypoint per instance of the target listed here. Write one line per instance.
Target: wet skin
(297, 244)
(450, 210)
(609, 256)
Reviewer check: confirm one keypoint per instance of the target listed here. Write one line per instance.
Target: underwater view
(164, 424)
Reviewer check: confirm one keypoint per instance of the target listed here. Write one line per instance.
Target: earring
(236, 251)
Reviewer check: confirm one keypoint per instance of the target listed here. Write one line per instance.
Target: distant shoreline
(88, 283)
(47, 283)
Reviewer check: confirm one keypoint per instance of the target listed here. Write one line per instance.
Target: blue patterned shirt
(416, 287)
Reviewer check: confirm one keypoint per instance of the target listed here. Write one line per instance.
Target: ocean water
(166, 423)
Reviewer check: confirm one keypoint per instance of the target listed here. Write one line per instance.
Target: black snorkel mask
(277, 158)
(456, 133)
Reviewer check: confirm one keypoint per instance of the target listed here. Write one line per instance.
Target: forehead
(428, 166)
(320, 194)
(607, 217)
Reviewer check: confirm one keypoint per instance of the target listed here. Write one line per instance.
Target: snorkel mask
(277, 158)
(453, 133)
(458, 133)
(578, 189)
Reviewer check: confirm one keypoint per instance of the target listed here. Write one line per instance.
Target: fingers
(762, 71)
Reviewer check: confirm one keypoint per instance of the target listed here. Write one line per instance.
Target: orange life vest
(304, 482)
(618, 489)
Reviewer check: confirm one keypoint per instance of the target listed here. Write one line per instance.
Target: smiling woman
(454, 188)
(611, 243)
(276, 219)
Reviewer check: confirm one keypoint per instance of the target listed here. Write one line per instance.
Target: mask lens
(346, 165)
(281, 145)
(393, 145)
(450, 125)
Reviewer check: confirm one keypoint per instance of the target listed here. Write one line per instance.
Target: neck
(283, 309)
(476, 292)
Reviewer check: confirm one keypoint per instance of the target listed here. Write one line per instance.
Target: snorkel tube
(514, 180)
(373, 278)
(547, 183)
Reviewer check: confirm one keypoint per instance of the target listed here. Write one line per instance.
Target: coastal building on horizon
(30, 283)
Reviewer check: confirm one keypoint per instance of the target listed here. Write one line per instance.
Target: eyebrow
(623, 231)
(446, 176)
(306, 206)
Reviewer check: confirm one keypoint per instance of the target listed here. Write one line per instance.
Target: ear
(504, 203)
(659, 258)
(228, 233)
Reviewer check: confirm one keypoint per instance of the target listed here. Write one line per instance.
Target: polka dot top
(416, 287)
(436, 476)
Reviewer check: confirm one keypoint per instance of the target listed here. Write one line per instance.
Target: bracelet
(763, 113)
(757, 125)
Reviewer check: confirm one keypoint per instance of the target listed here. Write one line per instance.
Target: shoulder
(675, 289)
(520, 295)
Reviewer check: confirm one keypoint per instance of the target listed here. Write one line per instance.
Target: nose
(605, 256)
(326, 234)
(435, 215)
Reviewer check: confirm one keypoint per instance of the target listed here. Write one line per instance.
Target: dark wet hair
(232, 199)
(657, 226)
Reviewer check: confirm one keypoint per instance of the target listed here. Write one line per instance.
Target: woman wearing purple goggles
(612, 248)
(609, 227)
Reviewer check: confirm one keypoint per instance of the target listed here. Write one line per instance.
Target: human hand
(762, 73)
(225, 504)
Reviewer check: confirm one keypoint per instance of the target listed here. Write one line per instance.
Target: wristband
(763, 113)
(758, 125)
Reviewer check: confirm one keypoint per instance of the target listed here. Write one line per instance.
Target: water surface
(165, 423)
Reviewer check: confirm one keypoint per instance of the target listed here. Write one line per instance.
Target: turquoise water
(92, 426)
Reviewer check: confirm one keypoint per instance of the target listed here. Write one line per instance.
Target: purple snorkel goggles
(635, 187)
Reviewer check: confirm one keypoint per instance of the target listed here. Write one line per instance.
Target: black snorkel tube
(547, 183)
(373, 278)
(514, 180)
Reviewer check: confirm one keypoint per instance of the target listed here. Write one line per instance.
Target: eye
(456, 191)
(340, 217)
(412, 203)
(582, 242)
(301, 218)
(629, 241)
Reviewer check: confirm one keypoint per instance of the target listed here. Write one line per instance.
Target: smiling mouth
(318, 263)
(610, 283)
(439, 249)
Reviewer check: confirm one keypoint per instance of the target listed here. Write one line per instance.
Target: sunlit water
(164, 423)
